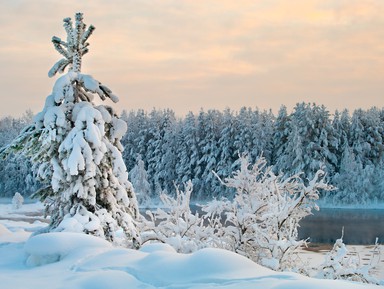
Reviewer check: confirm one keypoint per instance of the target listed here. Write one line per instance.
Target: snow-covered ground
(70, 260)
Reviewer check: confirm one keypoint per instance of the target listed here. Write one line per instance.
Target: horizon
(188, 56)
(121, 110)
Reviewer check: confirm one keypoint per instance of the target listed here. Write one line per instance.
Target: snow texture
(73, 260)
(48, 248)
(70, 260)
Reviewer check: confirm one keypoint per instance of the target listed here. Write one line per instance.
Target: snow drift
(74, 260)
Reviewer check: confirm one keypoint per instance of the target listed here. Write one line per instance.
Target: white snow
(74, 260)
(48, 248)
(4, 230)
(89, 82)
(119, 128)
(114, 98)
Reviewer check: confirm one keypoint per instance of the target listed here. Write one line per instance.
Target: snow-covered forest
(15, 171)
(347, 146)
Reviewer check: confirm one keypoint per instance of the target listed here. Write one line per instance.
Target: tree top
(74, 47)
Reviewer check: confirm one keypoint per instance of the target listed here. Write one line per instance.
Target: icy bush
(339, 264)
(175, 224)
(260, 222)
(17, 201)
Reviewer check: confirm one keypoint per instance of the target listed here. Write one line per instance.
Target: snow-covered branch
(177, 225)
(75, 47)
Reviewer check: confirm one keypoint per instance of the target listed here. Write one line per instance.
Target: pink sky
(192, 54)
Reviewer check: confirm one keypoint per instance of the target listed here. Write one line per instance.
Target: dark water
(361, 226)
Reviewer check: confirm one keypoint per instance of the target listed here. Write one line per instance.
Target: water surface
(361, 226)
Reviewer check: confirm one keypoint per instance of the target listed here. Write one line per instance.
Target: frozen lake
(361, 226)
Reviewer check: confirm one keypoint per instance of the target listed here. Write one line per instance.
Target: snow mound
(78, 261)
(154, 247)
(160, 265)
(106, 279)
(53, 247)
(206, 265)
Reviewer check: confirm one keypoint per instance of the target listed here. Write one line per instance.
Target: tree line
(15, 171)
(347, 146)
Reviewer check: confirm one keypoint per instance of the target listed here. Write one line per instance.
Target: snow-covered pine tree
(139, 178)
(76, 149)
(227, 154)
(243, 137)
(358, 133)
(15, 172)
(135, 141)
(153, 156)
(187, 151)
(209, 148)
(282, 130)
(166, 173)
(265, 136)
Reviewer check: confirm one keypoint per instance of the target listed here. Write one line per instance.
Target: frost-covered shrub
(17, 201)
(175, 224)
(339, 264)
(76, 148)
(262, 220)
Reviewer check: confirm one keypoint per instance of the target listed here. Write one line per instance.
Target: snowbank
(48, 248)
(74, 260)
(78, 261)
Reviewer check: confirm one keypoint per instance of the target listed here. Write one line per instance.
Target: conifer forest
(197, 147)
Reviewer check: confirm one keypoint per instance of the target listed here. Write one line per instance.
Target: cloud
(189, 53)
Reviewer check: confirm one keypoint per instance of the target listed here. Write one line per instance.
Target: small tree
(139, 178)
(17, 201)
(263, 218)
(76, 148)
